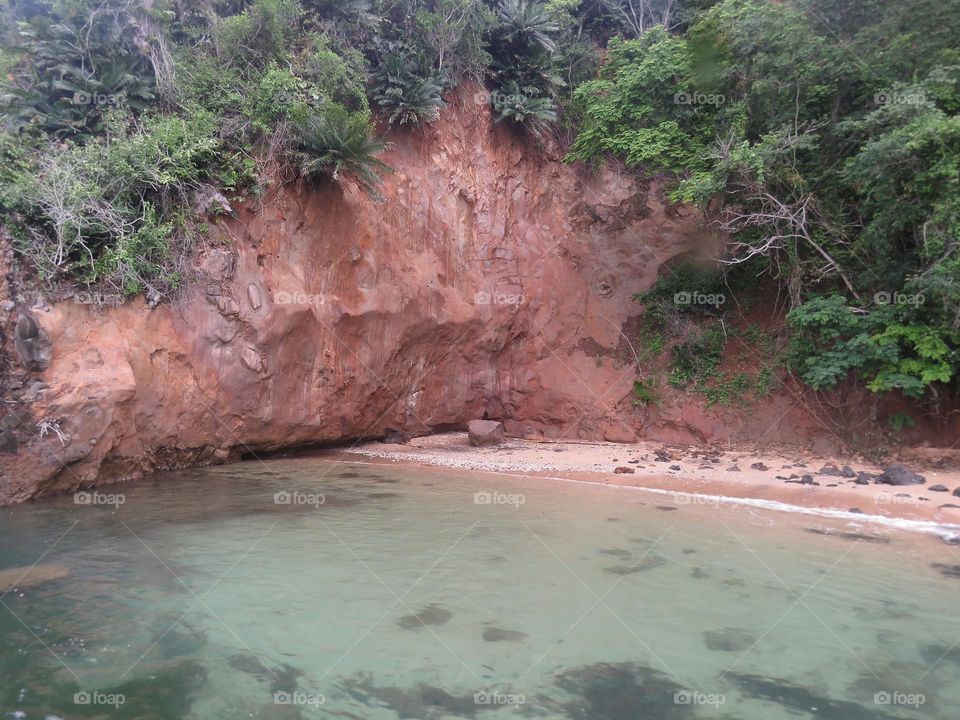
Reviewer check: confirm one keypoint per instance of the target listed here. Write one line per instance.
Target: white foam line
(946, 531)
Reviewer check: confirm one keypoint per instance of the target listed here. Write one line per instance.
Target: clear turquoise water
(402, 597)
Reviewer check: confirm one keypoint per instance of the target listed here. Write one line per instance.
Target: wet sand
(701, 471)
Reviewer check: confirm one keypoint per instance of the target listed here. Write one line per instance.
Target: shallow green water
(404, 594)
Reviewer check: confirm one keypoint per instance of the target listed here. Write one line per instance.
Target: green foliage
(405, 91)
(900, 421)
(823, 139)
(646, 391)
(522, 106)
(340, 75)
(684, 280)
(834, 341)
(337, 143)
(102, 211)
(697, 359)
(258, 35)
(645, 107)
(522, 69)
(72, 66)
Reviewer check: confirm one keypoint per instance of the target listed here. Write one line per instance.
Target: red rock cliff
(490, 280)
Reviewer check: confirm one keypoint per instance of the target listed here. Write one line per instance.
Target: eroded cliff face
(491, 280)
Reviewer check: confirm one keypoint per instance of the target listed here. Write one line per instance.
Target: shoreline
(765, 480)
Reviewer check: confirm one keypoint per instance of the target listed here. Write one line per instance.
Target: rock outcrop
(492, 280)
(485, 433)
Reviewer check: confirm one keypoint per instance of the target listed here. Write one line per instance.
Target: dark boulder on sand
(898, 474)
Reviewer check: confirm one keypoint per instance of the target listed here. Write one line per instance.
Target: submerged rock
(29, 576)
(805, 701)
(420, 702)
(859, 537)
(495, 634)
(622, 691)
(430, 615)
(729, 640)
(648, 562)
(951, 571)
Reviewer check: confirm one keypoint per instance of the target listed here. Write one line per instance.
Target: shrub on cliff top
(336, 143)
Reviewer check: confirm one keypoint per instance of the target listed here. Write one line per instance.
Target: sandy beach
(792, 479)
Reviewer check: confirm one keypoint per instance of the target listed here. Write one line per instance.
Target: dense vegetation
(821, 136)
